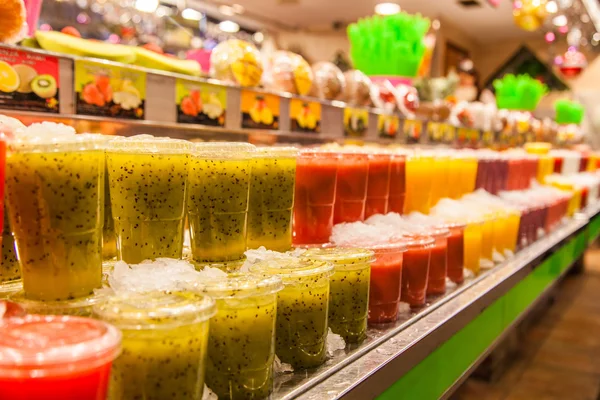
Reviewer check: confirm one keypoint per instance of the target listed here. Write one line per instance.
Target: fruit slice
(44, 86)
(12, 21)
(26, 75)
(9, 79)
(150, 59)
(66, 44)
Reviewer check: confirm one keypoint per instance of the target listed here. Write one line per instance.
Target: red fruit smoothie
(438, 267)
(351, 188)
(397, 184)
(416, 268)
(386, 280)
(316, 178)
(378, 187)
(456, 261)
(56, 357)
(8, 309)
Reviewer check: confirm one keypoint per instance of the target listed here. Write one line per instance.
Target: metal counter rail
(391, 351)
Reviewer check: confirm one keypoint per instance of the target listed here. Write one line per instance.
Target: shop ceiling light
(148, 6)
(229, 26)
(258, 37)
(226, 10)
(387, 8)
(191, 14)
(560, 20)
(552, 7)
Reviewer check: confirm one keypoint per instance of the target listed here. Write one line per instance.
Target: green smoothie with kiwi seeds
(241, 344)
(272, 198)
(164, 345)
(148, 181)
(302, 309)
(55, 196)
(349, 289)
(217, 200)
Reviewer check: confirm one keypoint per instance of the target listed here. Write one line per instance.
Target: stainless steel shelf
(391, 351)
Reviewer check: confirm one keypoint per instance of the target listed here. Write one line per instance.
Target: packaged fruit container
(165, 338)
(302, 309)
(236, 61)
(290, 73)
(329, 81)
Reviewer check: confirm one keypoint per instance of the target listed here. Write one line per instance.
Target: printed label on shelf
(200, 103)
(388, 125)
(435, 132)
(109, 91)
(259, 110)
(487, 139)
(28, 81)
(412, 130)
(356, 122)
(473, 136)
(305, 116)
(462, 135)
(449, 133)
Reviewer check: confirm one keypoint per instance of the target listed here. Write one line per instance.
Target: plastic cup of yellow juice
(55, 195)
(217, 200)
(419, 177)
(349, 289)
(454, 167)
(302, 309)
(468, 174)
(148, 180)
(473, 237)
(487, 239)
(165, 337)
(439, 185)
(272, 198)
(241, 343)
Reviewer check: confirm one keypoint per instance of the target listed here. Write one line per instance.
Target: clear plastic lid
(276, 152)
(292, 268)
(239, 285)
(35, 346)
(156, 310)
(59, 143)
(224, 150)
(414, 241)
(81, 307)
(149, 144)
(341, 257)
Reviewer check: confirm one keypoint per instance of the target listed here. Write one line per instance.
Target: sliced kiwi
(44, 86)
(26, 74)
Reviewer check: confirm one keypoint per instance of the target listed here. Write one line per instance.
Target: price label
(388, 125)
(259, 110)
(412, 130)
(305, 116)
(200, 103)
(356, 122)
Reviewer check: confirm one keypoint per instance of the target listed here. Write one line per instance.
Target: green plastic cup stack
(520, 92)
(568, 112)
(391, 46)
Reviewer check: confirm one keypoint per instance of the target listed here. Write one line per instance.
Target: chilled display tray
(392, 350)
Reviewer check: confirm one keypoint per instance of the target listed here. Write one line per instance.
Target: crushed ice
(208, 394)
(334, 343)
(280, 368)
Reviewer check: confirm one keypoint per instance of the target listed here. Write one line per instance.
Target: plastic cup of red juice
(56, 357)
(316, 178)
(416, 268)
(456, 260)
(397, 183)
(8, 309)
(386, 281)
(438, 267)
(351, 187)
(378, 186)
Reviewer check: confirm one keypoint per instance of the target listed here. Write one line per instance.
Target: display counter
(427, 354)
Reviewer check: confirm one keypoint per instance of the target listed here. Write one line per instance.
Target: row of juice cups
(281, 307)
(55, 195)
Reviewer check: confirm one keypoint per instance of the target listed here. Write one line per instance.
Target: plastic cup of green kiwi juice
(272, 198)
(302, 308)
(349, 289)
(9, 265)
(55, 196)
(148, 180)
(164, 344)
(217, 200)
(241, 344)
